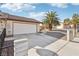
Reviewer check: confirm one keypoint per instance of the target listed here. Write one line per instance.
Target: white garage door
(24, 28)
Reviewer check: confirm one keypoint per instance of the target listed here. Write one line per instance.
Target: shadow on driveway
(55, 34)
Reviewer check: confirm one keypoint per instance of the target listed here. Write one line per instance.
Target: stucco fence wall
(69, 35)
(21, 47)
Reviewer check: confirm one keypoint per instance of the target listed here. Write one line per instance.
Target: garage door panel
(24, 28)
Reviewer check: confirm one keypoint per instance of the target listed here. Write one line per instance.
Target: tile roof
(17, 18)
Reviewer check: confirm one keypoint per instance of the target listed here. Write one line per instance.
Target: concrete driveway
(41, 40)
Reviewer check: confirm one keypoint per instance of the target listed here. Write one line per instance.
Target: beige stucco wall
(2, 24)
(9, 28)
(38, 27)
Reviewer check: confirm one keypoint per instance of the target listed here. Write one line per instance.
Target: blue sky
(38, 10)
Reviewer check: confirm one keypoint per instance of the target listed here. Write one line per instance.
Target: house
(60, 26)
(18, 25)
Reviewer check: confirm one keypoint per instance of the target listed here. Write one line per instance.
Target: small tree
(67, 22)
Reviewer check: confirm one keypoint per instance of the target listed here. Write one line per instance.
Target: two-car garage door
(21, 28)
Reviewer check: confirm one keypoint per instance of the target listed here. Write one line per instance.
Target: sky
(38, 10)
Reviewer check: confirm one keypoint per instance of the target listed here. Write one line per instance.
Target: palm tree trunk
(50, 27)
(74, 30)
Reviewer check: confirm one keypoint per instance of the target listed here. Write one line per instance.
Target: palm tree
(67, 22)
(51, 19)
(75, 21)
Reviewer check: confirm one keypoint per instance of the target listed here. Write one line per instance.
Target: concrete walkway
(71, 49)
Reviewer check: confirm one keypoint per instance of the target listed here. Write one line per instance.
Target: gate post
(68, 35)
